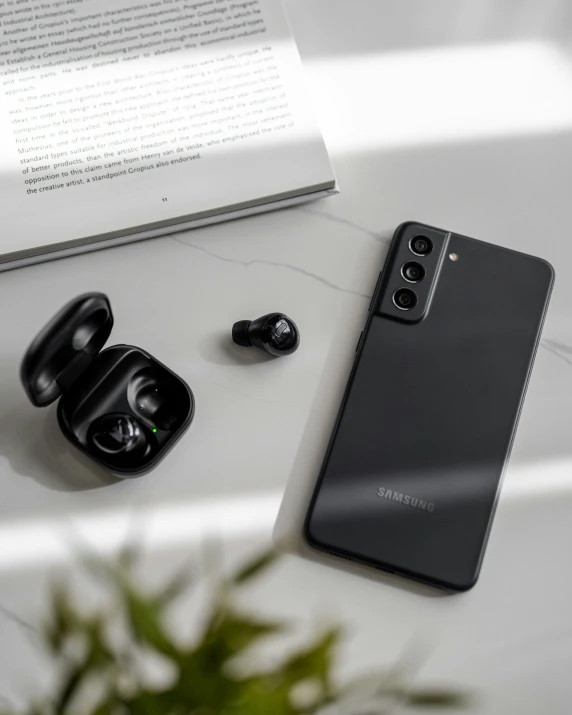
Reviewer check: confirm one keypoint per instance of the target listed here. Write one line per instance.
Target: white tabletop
(457, 115)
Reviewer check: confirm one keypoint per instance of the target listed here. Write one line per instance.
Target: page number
(164, 199)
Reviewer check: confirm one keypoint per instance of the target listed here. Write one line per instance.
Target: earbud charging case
(66, 360)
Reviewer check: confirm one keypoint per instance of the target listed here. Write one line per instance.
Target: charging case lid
(66, 347)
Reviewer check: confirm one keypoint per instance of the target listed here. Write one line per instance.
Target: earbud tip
(240, 333)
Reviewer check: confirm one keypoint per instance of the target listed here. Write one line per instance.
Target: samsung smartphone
(414, 467)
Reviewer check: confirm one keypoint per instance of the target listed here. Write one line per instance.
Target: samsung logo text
(405, 499)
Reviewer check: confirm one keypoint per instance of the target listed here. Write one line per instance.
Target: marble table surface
(458, 115)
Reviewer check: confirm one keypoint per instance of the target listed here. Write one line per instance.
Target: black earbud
(119, 438)
(154, 400)
(275, 332)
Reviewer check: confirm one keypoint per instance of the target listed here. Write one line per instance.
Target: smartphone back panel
(413, 470)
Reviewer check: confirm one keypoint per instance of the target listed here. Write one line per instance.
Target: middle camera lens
(413, 272)
(405, 299)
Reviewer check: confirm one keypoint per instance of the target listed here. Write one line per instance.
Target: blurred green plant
(99, 665)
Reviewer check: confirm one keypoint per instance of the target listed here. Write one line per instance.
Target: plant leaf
(64, 620)
(107, 707)
(204, 683)
(436, 698)
(144, 615)
(147, 702)
(70, 686)
(262, 695)
(128, 556)
(314, 662)
(205, 680)
(229, 633)
(180, 583)
(99, 655)
(254, 567)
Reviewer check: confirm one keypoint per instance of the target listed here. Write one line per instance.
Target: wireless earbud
(275, 332)
(118, 438)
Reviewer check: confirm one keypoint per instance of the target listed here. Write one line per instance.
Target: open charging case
(66, 360)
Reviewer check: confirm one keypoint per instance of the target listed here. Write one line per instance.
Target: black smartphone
(413, 470)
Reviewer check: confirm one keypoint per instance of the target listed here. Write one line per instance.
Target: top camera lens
(421, 245)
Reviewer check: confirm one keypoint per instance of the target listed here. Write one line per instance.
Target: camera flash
(454, 256)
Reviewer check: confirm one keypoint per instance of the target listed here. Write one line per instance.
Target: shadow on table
(31, 440)
(219, 349)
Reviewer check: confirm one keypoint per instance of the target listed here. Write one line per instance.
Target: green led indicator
(154, 429)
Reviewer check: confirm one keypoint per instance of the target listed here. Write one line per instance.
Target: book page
(116, 115)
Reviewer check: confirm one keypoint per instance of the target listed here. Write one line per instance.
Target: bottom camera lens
(405, 299)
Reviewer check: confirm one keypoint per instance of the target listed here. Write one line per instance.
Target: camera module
(405, 299)
(413, 272)
(421, 245)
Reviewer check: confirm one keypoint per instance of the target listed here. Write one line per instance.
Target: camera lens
(421, 245)
(413, 272)
(405, 299)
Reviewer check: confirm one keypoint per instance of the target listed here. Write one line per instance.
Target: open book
(122, 120)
